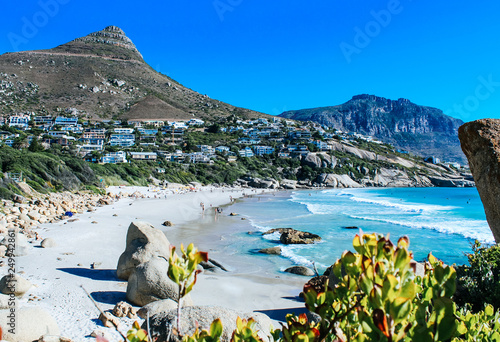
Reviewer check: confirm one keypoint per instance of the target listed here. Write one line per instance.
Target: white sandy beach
(99, 238)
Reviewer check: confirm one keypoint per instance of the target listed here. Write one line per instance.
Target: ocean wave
(471, 229)
(289, 252)
(410, 208)
(272, 237)
(258, 227)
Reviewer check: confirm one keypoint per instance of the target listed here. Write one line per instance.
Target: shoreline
(87, 251)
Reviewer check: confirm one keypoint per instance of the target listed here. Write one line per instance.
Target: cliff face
(481, 144)
(422, 130)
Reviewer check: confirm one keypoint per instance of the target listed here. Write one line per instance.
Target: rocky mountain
(100, 76)
(425, 131)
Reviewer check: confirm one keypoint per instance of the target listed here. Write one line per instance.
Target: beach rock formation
(150, 283)
(143, 242)
(14, 284)
(298, 237)
(337, 181)
(272, 250)
(201, 316)
(289, 184)
(262, 183)
(480, 141)
(300, 270)
(31, 324)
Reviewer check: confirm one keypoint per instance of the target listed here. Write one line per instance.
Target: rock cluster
(291, 236)
(24, 214)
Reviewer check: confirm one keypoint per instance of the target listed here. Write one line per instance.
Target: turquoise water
(444, 221)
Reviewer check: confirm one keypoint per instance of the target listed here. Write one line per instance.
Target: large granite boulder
(319, 160)
(337, 181)
(480, 142)
(14, 284)
(150, 283)
(202, 317)
(300, 270)
(143, 242)
(159, 306)
(29, 324)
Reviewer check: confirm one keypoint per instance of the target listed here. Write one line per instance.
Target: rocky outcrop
(337, 181)
(481, 144)
(143, 243)
(450, 182)
(319, 160)
(201, 317)
(262, 183)
(297, 237)
(288, 184)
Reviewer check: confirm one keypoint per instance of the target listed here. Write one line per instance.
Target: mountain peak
(109, 42)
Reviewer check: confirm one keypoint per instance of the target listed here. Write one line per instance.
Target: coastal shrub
(479, 283)
(183, 271)
(376, 296)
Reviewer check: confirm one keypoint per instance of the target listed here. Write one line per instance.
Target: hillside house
(262, 150)
(64, 121)
(143, 155)
(123, 130)
(19, 121)
(114, 158)
(123, 140)
(246, 152)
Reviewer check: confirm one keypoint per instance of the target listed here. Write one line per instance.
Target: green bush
(479, 283)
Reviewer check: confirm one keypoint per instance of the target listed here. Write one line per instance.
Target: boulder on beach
(143, 242)
(150, 283)
(201, 317)
(48, 243)
(272, 250)
(124, 309)
(298, 237)
(22, 245)
(14, 284)
(300, 270)
(30, 324)
(159, 306)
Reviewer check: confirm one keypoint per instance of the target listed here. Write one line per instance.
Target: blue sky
(273, 56)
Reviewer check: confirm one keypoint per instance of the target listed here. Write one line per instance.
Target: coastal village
(115, 141)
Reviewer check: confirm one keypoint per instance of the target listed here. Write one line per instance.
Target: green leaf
(489, 310)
